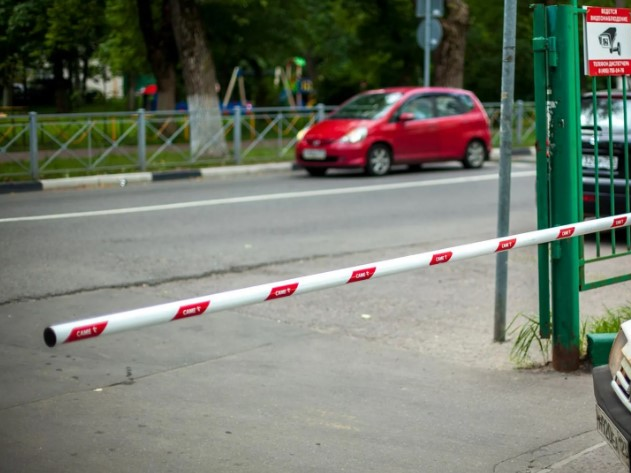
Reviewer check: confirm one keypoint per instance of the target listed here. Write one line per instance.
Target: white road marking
(267, 197)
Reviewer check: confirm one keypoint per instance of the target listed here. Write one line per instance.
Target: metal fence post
(321, 111)
(236, 122)
(32, 143)
(565, 147)
(519, 106)
(142, 140)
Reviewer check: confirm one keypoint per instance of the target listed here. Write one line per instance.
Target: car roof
(409, 89)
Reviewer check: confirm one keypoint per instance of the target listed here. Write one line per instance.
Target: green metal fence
(605, 174)
(47, 146)
(582, 172)
(38, 146)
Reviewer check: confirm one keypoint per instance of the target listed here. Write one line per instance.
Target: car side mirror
(406, 117)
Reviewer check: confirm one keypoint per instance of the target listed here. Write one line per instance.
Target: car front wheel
(475, 155)
(378, 160)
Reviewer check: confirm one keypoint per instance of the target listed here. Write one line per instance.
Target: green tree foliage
(58, 34)
(123, 48)
(348, 44)
(483, 68)
(75, 29)
(345, 42)
(22, 31)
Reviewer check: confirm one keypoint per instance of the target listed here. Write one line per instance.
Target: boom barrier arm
(148, 316)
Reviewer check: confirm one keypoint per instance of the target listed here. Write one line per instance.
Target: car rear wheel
(316, 171)
(378, 160)
(475, 155)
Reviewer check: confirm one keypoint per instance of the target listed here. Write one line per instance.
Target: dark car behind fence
(39, 146)
(605, 172)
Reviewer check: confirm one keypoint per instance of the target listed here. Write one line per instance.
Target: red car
(398, 125)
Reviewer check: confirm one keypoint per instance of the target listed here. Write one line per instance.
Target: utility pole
(506, 149)
(429, 31)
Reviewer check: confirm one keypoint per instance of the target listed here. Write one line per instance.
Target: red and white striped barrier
(145, 317)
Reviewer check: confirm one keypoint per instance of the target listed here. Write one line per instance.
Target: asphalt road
(399, 375)
(239, 224)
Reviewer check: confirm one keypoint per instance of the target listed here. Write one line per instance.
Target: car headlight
(301, 134)
(355, 136)
(616, 355)
(620, 365)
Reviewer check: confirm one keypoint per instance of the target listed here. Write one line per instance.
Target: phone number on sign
(611, 70)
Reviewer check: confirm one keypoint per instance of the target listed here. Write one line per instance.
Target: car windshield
(602, 113)
(367, 106)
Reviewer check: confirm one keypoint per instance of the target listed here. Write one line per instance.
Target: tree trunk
(62, 103)
(131, 92)
(7, 94)
(161, 51)
(448, 58)
(200, 78)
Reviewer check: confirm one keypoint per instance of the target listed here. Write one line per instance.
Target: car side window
(467, 103)
(421, 107)
(448, 105)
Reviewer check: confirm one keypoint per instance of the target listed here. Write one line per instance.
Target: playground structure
(296, 90)
(235, 78)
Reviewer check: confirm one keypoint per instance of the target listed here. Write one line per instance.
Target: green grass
(527, 339)
(119, 163)
(611, 321)
(528, 342)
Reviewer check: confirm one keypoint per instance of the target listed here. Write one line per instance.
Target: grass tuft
(527, 336)
(525, 329)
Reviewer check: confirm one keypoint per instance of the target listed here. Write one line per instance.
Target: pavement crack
(238, 269)
(548, 457)
(131, 380)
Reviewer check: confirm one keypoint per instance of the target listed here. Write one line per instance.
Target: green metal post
(541, 51)
(565, 153)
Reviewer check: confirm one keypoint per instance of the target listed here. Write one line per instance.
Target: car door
(415, 130)
(454, 125)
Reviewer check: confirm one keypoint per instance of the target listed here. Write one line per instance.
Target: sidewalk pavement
(292, 386)
(397, 376)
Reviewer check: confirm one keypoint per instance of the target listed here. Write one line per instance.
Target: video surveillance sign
(607, 41)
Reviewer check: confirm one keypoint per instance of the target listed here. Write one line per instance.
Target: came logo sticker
(566, 232)
(282, 291)
(191, 310)
(86, 331)
(439, 258)
(505, 245)
(618, 222)
(362, 274)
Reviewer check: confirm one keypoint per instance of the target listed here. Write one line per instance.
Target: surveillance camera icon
(607, 40)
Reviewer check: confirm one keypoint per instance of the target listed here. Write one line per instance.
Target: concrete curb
(94, 181)
(138, 177)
